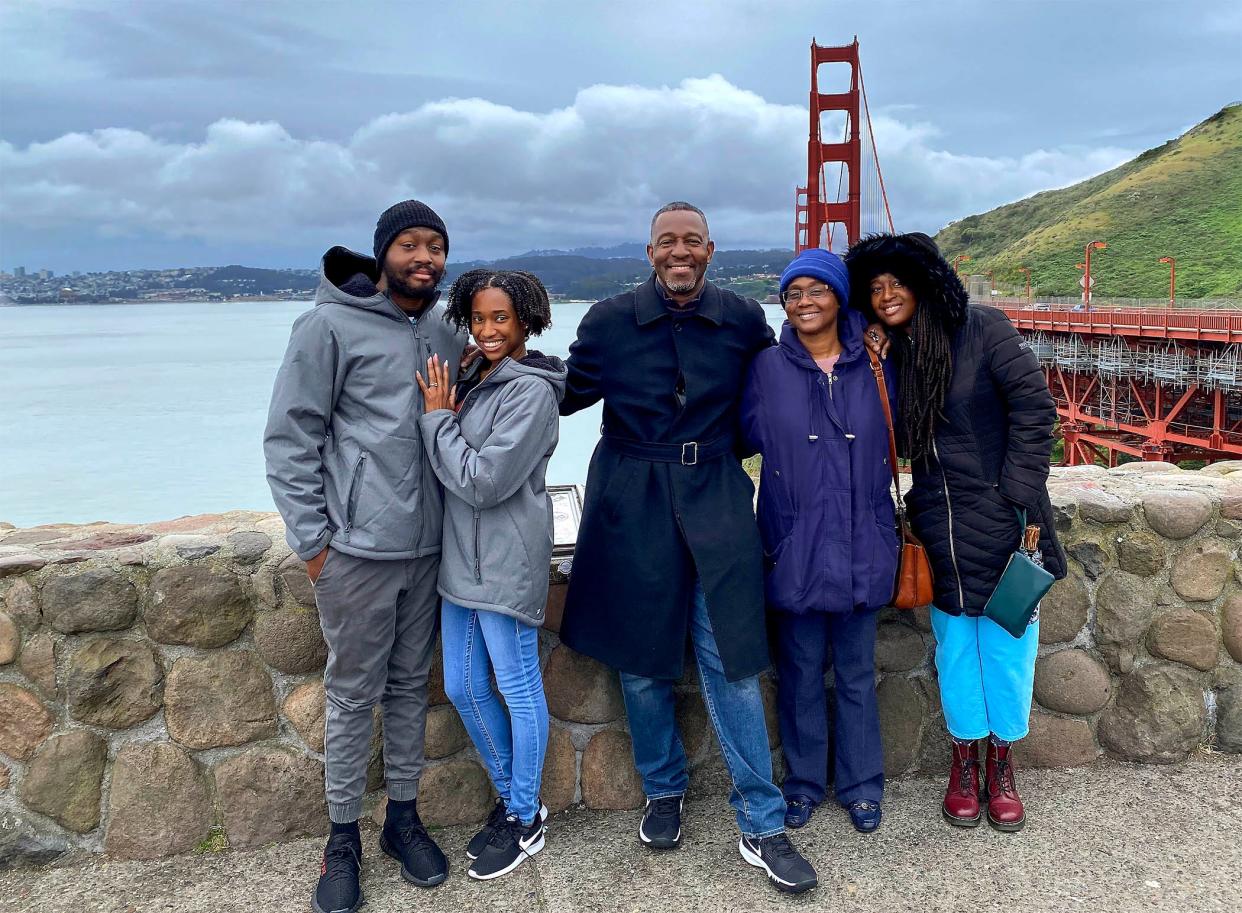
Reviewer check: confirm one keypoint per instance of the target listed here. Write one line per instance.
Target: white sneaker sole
(525, 854)
(756, 860)
(543, 818)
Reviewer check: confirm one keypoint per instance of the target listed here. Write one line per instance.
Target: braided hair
(924, 352)
(525, 291)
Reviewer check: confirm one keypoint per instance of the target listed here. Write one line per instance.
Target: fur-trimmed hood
(916, 261)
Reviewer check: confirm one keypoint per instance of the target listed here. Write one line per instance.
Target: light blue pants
(511, 738)
(986, 676)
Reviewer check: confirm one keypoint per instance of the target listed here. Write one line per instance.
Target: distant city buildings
(19, 272)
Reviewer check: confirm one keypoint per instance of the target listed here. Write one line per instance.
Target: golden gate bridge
(1152, 383)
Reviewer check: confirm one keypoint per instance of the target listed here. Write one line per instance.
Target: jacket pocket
(478, 568)
(351, 499)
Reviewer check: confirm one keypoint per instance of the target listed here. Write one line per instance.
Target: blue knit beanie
(823, 265)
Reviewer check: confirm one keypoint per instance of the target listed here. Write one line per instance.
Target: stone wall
(160, 685)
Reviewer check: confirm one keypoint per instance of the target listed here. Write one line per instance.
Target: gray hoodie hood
(348, 277)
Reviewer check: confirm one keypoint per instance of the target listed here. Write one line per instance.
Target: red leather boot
(961, 800)
(1005, 810)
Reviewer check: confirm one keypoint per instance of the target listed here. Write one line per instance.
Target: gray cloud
(505, 179)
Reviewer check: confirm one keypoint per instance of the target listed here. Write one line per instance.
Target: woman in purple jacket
(812, 408)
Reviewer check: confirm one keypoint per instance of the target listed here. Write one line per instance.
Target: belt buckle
(694, 453)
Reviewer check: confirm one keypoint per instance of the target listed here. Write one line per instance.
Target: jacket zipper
(948, 503)
(478, 572)
(351, 500)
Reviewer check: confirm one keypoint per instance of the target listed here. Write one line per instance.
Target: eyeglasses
(818, 294)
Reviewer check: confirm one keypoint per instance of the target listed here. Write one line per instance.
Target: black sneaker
(510, 844)
(338, 890)
(661, 825)
(406, 840)
(497, 815)
(785, 866)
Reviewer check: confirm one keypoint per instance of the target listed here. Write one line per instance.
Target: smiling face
(495, 326)
(414, 265)
(680, 251)
(892, 300)
(810, 306)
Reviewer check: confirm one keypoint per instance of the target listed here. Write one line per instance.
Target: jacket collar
(649, 306)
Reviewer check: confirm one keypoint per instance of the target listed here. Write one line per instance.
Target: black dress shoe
(798, 811)
(866, 815)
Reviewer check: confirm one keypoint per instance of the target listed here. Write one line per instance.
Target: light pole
(1086, 276)
(1172, 279)
(957, 260)
(1024, 269)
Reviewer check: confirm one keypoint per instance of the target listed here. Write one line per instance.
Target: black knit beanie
(400, 216)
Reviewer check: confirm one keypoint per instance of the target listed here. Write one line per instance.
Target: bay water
(151, 411)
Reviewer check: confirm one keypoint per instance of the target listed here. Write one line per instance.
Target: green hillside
(1181, 200)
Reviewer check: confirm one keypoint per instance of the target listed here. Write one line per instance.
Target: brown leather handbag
(913, 587)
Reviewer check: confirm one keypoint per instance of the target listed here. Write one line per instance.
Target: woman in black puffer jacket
(975, 421)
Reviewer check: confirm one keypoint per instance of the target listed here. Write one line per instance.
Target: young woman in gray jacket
(489, 440)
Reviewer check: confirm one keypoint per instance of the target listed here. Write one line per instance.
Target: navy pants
(802, 651)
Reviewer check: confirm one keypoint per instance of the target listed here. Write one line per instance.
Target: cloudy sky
(154, 133)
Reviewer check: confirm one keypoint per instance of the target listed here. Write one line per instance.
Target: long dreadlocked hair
(529, 297)
(924, 352)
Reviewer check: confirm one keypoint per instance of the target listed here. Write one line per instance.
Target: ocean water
(143, 412)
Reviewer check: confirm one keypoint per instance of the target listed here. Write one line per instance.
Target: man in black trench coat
(668, 548)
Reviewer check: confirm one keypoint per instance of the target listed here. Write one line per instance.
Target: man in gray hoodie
(347, 467)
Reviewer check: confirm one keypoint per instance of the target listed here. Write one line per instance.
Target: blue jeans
(736, 712)
(986, 676)
(512, 743)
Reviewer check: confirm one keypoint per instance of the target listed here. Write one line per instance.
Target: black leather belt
(691, 453)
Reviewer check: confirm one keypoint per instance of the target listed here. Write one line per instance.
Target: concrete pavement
(1112, 837)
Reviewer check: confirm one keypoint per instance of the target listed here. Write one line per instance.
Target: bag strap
(878, 371)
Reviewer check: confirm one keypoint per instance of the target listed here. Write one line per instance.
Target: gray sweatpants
(379, 619)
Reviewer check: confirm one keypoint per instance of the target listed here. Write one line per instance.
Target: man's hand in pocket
(314, 567)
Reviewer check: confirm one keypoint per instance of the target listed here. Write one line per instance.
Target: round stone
(10, 639)
(1063, 612)
(158, 803)
(38, 663)
(115, 683)
(1057, 742)
(221, 699)
(609, 780)
(436, 694)
(64, 779)
(249, 546)
(1072, 681)
(581, 689)
(1140, 553)
(1176, 514)
(1102, 506)
(560, 771)
(1159, 716)
(290, 640)
(1184, 636)
(898, 648)
(270, 795)
(1124, 605)
(1231, 627)
(304, 709)
(445, 734)
(22, 604)
(92, 600)
(1201, 570)
(196, 605)
(24, 721)
(454, 792)
(292, 574)
(901, 717)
